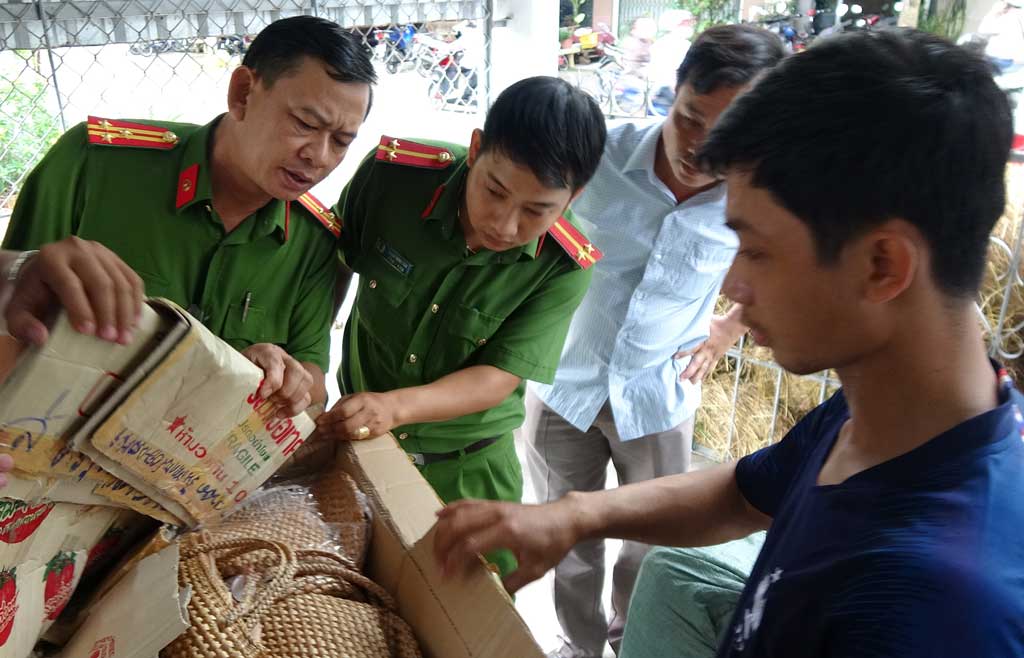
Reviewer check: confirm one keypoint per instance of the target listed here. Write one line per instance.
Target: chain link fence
(171, 60)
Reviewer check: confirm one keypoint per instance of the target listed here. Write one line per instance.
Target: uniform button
(657, 256)
(434, 308)
(481, 342)
(412, 358)
(403, 435)
(208, 208)
(373, 283)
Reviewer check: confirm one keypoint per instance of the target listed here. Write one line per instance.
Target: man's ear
(243, 80)
(475, 142)
(893, 255)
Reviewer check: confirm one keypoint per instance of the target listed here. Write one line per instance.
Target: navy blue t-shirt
(919, 557)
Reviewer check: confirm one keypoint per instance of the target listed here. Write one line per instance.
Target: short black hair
(550, 127)
(279, 48)
(878, 125)
(728, 56)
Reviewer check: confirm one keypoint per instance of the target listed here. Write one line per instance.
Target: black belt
(427, 458)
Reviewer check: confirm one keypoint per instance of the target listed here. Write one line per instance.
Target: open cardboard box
(459, 618)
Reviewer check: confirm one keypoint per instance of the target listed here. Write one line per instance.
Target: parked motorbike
(395, 46)
(429, 51)
(160, 46)
(233, 44)
(452, 86)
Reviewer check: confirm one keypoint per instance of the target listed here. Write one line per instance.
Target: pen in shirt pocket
(245, 305)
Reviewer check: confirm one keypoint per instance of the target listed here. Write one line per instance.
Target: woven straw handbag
(287, 515)
(333, 611)
(224, 626)
(344, 506)
(303, 603)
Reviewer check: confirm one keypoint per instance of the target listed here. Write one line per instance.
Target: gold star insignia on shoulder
(407, 152)
(124, 133)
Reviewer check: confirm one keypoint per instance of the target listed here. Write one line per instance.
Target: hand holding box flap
(54, 388)
(194, 435)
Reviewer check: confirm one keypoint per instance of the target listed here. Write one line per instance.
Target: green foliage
(27, 128)
(946, 22)
(709, 12)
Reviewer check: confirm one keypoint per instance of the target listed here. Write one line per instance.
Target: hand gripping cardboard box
(49, 393)
(458, 618)
(191, 432)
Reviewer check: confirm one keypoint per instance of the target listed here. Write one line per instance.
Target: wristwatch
(14, 271)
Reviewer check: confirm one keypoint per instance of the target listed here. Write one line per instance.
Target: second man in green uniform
(470, 267)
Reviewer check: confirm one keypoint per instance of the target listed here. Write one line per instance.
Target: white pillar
(524, 45)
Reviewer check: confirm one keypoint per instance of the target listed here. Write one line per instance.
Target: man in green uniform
(203, 213)
(470, 269)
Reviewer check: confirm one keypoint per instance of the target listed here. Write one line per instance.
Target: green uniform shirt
(427, 308)
(136, 201)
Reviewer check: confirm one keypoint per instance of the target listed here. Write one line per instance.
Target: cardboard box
(192, 433)
(38, 529)
(463, 618)
(141, 615)
(32, 594)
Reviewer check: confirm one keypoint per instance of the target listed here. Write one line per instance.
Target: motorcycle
(429, 51)
(233, 44)
(397, 46)
(452, 86)
(160, 46)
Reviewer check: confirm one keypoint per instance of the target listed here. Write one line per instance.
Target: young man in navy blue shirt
(864, 177)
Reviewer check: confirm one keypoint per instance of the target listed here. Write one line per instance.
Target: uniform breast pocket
(696, 271)
(244, 328)
(467, 331)
(382, 295)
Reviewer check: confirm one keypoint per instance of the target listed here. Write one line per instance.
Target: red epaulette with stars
(414, 154)
(579, 248)
(326, 216)
(111, 132)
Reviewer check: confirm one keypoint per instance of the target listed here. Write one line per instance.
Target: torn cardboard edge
(143, 613)
(465, 618)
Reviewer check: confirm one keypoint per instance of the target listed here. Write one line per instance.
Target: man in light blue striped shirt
(628, 384)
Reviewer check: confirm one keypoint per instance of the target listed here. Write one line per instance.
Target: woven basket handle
(343, 570)
(267, 590)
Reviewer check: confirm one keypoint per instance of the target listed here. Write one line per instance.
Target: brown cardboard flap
(464, 618)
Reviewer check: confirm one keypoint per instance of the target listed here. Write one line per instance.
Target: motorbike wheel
(628, 96)
(597, 87)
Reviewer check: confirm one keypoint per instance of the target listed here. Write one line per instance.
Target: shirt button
(208, 208)
(434, 308)
(657, 256)
(481, 342)
(412, 358)
(640, 295)
(403, 435)
(373, 283)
